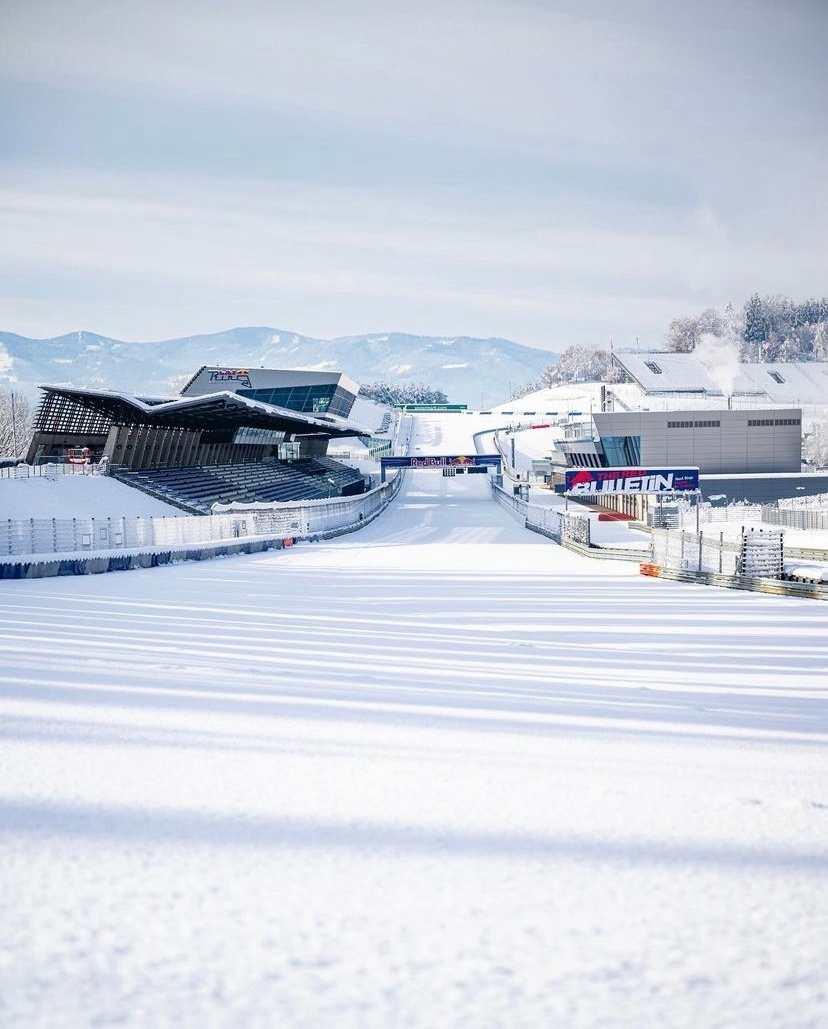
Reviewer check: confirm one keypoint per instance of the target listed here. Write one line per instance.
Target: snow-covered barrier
(806, 571)
(569, 529)
(757, 554)
(315, 518)
(40, 568)
(244, 521)
(755, 562)
(92, 545)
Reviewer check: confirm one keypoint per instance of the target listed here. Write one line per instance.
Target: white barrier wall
(298, 519)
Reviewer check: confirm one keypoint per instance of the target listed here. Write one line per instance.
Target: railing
(46, 471)
(677, 549)
(757, 554)
(755, 563)
(815, 521)
(548, 522)
(791, 518)
(300, 519)
(513, 504)
(568, 529)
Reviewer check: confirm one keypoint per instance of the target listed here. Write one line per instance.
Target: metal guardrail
(807, 553)
(536, 519)
(513, 504)
(607, 553)
(47, 566)
(776, 587)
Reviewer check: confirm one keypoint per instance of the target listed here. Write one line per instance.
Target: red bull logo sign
(444, 461)
(441, 461)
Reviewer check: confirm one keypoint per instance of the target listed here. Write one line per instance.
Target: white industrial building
(741, 424)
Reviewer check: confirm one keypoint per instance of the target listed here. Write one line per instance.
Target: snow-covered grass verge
(78, 496)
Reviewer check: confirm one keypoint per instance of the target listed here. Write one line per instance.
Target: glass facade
(621, 451)
(322, 399)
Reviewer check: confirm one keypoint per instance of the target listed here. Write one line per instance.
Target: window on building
(776, 377)
(759, 422)
(622, 451)
(654, 368)
(707, 425)
(679, 425)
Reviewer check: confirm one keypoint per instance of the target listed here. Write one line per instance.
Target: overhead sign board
(414, 408)
(593, 482)
(440, 461)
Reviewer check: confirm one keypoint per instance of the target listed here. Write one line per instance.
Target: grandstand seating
(197, 489)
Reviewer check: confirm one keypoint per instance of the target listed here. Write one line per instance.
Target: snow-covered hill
(468, 370)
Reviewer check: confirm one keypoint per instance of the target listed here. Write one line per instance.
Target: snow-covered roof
(220, 408)
(803, 382)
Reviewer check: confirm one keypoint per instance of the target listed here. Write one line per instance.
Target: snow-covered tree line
(393, 393)
(576, 364)
(815, 445)
(772, 328)
(16, 424)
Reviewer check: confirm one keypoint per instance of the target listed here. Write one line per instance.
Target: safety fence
(296, 520)
(568, 529)
(514, 504)
(796, 518)
(675, 548)
(46, 471)
(561, 526)
(758, 553)
(755, 562)
(790, 518)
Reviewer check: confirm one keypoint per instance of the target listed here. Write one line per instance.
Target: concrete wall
(735, 444)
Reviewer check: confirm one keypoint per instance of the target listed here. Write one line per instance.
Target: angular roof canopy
(224, 410)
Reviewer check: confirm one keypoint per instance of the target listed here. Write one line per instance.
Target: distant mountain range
(473, 371)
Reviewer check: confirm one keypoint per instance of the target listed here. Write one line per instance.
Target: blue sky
(551, 172)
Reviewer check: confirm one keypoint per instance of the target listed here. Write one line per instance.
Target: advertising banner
(592, 482)
(441, 461)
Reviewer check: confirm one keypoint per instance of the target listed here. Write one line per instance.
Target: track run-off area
(437, 773)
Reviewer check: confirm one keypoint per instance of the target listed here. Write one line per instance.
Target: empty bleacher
(197, 489)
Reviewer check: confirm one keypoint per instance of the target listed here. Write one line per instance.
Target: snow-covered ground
(439, 773)
(78, 496)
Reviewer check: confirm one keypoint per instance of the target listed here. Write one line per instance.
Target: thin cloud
(637, 155)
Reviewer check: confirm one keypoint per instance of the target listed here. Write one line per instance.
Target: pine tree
(16, 424)
(756, 328)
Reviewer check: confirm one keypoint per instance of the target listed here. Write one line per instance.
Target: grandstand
(197, 489)
(231, 435)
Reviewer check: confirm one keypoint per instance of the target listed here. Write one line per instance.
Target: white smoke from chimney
(720, 357)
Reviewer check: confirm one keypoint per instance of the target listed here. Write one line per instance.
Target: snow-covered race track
(439, 773)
